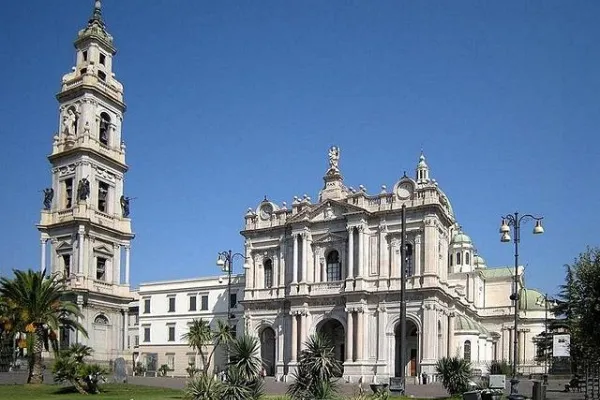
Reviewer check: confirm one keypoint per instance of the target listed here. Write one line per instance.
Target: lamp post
(225, 262)
(543, 300)
(515, 221)
(403, 304)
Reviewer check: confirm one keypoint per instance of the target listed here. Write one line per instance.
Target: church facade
(85, 226)
(333, 266)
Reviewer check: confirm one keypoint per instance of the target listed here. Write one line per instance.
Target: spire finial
(97, 15)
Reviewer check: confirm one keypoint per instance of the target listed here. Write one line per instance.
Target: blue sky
(229, 101)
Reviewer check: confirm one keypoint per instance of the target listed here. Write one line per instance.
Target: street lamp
(225, 262)
(544, 301)
(515, 221)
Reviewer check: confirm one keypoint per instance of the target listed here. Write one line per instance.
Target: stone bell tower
(85, 225)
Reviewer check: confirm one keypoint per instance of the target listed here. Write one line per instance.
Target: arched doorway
(334, 331)
(267, 350)
(412, 352)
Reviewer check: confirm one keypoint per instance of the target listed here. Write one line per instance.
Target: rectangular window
(146, 334)
(85, 55)
(102, 59)
(137, 340)
(171, 361)
(171, 333)
(102, 196)
(233, 300)
(171, 304)
(67, 264)
(128, 341)
(69, 192)
(268, 276)
(204, 305)
(192, 303)
(101, 269)
(146, 306)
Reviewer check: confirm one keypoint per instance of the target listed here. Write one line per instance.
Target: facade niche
(101, 269)
(102, 196)
(104, 128)
(68, 192)
(268, 268)
(334, 269)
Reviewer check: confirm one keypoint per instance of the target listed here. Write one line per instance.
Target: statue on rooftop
(334, 158)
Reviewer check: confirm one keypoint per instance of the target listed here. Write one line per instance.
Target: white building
(168, 307)
(333, 266)
(85, 225)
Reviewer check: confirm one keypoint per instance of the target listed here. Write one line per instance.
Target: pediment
(328, 237)
(64, 247)
(330, 210)
(104, 249)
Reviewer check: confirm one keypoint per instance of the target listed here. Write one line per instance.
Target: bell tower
(85, 225)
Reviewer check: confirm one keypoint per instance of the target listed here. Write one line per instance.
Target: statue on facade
(48, 196)
(83, 189)
(125, 205)
(334, 157)
(69, 123)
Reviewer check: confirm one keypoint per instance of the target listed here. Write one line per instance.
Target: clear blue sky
(229, 101)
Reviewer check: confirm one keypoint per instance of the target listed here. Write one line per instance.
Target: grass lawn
(109, 392)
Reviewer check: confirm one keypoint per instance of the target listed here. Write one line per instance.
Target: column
(295, 271)
(350, 336)
(381, 314)
(43, 261)
(511, 342)
(361, 251)
(350, 253)
(81, 238)
(431, 256)
(417, 255)
(383, 256)
(451, 341)
(294, 337)
(127, 252)
(304, 256)
(125, 327)
(429, 330)
(306, 320)
(282, 264)
(280, 343)
(360, 343)
(316, 269)
(275, 270)
(522, 344)
(117, 264)
(505, 344)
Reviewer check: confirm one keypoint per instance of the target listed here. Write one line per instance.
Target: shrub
(500, 368)
(455, 373)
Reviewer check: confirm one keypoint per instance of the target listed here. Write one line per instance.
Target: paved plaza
(272, 387)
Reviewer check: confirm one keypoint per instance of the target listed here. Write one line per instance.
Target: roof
(500, 272)
(531, 300)
(462, 323)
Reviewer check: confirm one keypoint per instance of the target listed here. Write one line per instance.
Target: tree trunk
(36, 368)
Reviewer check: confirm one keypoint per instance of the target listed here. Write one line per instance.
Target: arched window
(467, 258)
(408, 253)
(101, 320)
(268, 266)
(104, 127)
(334, 270)
(458, 259)
(467, 351)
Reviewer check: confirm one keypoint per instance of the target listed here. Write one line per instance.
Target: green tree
(580, 306)
(316, 371)
(40, 311)
(199, 337)
(455, 373)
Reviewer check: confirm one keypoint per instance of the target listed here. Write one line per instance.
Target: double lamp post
(514, 221)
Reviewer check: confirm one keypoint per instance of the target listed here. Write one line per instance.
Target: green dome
(462, 323)
(529, 300)
(461, 237)
(478, 261)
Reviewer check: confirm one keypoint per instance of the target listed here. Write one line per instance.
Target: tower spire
(97, 14)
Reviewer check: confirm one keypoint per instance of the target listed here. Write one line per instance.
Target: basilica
(332, 265)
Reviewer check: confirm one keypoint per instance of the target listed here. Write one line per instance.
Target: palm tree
(245, 357)
(198, 337)
(37, 301)
(317, 369)
(455, 373)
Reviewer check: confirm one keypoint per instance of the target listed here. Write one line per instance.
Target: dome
(462, 323)
(461, 238)
(529, 300)
(478, 261)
